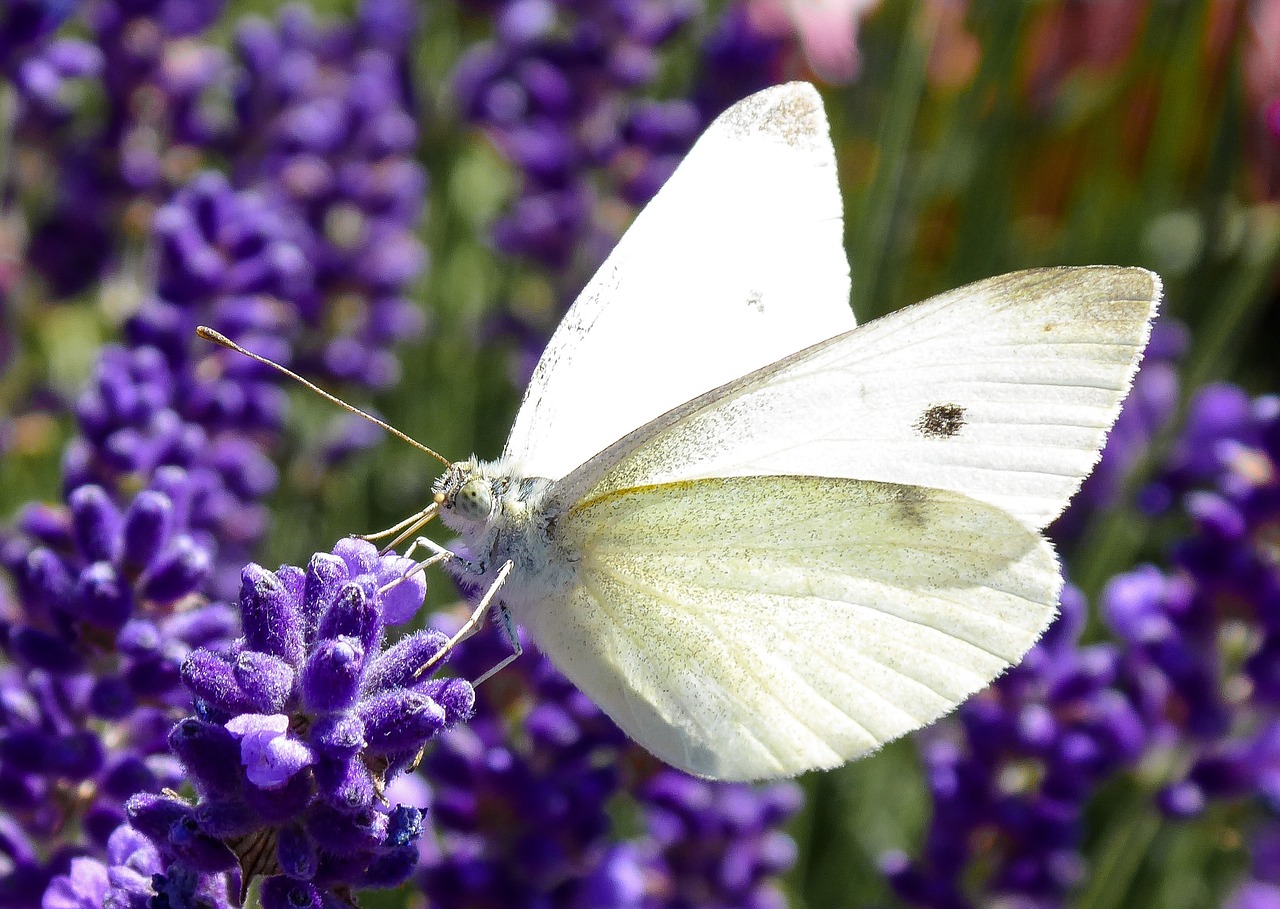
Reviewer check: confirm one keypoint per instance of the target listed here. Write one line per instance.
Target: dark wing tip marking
(792, 112)
(941, 421)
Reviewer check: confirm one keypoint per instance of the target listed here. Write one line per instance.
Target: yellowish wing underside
(762, 626)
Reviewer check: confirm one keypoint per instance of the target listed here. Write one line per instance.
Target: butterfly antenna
(217, 338)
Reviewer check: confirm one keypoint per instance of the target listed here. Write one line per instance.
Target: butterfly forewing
(738, 261)
(1002, 390)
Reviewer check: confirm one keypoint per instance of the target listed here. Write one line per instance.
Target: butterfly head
(466, 496)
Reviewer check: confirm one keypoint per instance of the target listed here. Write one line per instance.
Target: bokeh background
(400, 200)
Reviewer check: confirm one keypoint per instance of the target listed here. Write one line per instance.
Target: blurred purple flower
(1211, 694)
(1012, 778)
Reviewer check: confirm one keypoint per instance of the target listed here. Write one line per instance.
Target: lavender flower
(109, 610)
(1013, 777)
(111, 587)
(1200, 640)
(719, 843)
(552, 90)
(517, 819)
(299, 726)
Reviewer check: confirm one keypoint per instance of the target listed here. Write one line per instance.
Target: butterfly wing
(761, 627)
(1002, 390)
(737, 262)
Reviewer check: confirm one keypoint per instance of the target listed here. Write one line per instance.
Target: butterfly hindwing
(760, 627)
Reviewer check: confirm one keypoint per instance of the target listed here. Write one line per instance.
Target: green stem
(875, 221)
(1120, 855)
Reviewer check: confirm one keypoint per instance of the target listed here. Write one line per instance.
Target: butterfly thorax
(503, 517)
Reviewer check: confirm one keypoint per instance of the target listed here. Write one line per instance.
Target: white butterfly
(762, 540)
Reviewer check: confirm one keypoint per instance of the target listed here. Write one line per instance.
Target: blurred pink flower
(827, 29)
(1262, 88)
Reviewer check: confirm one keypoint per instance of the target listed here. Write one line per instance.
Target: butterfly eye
(473, 500)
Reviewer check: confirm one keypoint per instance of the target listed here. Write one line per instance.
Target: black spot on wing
(941, 421)
(909, 506)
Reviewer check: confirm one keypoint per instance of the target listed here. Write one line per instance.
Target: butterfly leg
(509, 629)
(470, 625)
(447, 555)
(414, 569)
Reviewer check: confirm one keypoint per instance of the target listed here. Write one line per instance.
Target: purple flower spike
(269, 755)
(303, 748)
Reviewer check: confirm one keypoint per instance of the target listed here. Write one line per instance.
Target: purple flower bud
(210, 754)
(395, 667)
(178, 572)
(1216, 517)
(360, 556)
(126, 775)
(270, 755)
(204, 626)
(111, 699)
(266, 680)
(346, 782)
(83, 887)
(455, 695)
(147, 525)
(49, 582)
(339, 831)
(282, 805)
(153, 814)
(279, 892)
(269, 615)
(225, 818)
(38, 650)
(400, 720)
(199, 850)
(103, 598)
(337, 735)
(46, 525)
(97, 523)
(392, 868)
(331, 677)
(400, 602)
(549, 725)
(27, 750)
(77, 756)
(296, 853)
(213, 679)
(352, 615)
(326, 575)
